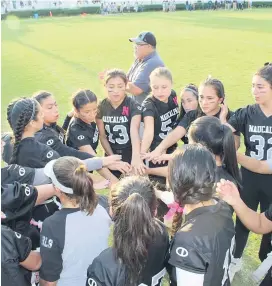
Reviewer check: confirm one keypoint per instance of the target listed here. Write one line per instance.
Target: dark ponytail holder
(268, 64)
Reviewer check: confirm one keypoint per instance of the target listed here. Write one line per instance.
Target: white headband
(49, 172)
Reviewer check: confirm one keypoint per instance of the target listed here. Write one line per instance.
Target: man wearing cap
(147, 59)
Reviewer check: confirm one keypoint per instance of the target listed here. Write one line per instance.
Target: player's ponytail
(218, 138)
(229, 157)
(72, 173)
(133, 203)
(191, 177)
(19, 114)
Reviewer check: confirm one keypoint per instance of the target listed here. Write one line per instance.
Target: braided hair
(19, 115)
(192, 177)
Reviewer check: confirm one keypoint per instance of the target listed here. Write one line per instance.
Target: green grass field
(64, 54)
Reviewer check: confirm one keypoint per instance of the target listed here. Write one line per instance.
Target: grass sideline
(67, 53)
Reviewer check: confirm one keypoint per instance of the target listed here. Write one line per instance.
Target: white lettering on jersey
(169, 114)
(27, 191)
(227, 261)
(259, 155)
(21, 172)
(49, 154)
(80, 137)
(260, 129)
(92, 282)
(115, 119)
(156, 279)
(124, 138)
(18, 235)
(50, 142)
(165, 128)
(95, 138)
(181, 251)
(46, 242)
(61, 138)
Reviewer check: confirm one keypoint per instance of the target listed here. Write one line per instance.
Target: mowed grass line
(67, 53)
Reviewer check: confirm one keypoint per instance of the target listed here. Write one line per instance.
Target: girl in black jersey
(201, 248)
(255, 123)
(82, 133)
(54, 136)
(118, 120)
(26, 118)
(160, 110)
(138, 254)
(160, 114)
(211, 97)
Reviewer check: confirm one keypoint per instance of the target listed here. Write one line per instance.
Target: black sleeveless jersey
(117, 121)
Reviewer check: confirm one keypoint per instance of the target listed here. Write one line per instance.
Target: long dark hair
(83, 97)
(133, 204)
(72, 173)
(194, 90)
(219, 139)
(19, 114)
(192, 176)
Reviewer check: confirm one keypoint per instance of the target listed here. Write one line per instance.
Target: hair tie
(268, 64)
(81, 168)
(190, 89)
(173, 209)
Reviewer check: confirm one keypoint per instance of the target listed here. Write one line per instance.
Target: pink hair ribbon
(173, 208)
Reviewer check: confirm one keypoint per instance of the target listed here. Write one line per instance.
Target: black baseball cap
(145, 38)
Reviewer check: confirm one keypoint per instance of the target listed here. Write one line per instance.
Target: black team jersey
(117, 121)
(53, 137)
(257, 130)
(192, 115)
(17, 203)
(204, 244)
(15, 248)
(81, 134)
(165, 116)
(34, 154)
(14, 173)
(106, 270)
